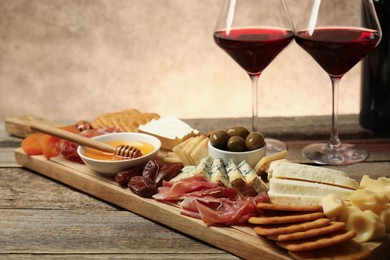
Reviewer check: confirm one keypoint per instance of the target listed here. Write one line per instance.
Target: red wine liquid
(337, 50)
(253, 48)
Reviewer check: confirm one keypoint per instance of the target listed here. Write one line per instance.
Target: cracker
(273, 230)
(292, 218)
(317, 242)
(271, 206)
(313, 232)
(126, 121)
(345, 251)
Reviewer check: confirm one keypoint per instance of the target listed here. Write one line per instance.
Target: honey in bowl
(145, 148)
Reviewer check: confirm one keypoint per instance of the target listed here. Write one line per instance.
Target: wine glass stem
(255, 86)
(334, 141)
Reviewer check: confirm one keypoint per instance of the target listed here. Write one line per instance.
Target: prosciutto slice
(214, 204)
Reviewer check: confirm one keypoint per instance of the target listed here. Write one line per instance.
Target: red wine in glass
(338, 49)
(253, 48)
(337, 36)
(253, 33)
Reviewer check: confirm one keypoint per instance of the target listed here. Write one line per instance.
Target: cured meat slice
(221, 210)
(177, 190)
(214, 204)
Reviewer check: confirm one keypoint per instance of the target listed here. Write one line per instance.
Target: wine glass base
(346, 154)
(274, 146)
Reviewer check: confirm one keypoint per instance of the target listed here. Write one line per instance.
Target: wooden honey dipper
(120, 152)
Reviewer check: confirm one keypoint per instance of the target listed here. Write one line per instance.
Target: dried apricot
(31, 144)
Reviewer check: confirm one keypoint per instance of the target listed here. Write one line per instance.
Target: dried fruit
(151, 169)
(142, 186)
(123, 177)
(167, 172)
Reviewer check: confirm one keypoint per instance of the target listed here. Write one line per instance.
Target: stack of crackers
(126, 121)
(306, 233)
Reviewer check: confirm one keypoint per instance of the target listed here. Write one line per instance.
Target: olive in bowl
(237, 143)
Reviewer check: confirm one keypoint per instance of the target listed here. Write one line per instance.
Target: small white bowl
(111, 168)
(251, 157)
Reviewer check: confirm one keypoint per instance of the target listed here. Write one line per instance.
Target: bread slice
(284, 186)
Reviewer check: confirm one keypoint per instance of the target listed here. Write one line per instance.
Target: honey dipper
(120, 152)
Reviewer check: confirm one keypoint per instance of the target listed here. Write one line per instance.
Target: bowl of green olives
(237, 143)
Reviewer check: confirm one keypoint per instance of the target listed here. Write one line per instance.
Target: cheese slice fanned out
(305, 185)
(283, 186)
(293, 199)
(295, 171)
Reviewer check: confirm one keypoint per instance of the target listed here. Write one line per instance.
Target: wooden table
(42, 218)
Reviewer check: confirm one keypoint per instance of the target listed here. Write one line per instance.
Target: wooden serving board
(238, 240)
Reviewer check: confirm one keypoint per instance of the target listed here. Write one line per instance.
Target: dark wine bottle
(375, 95)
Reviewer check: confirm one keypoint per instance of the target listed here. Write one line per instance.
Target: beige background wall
(75, 59)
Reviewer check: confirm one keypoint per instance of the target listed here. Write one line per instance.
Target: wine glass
(253, 33)
(337, 34)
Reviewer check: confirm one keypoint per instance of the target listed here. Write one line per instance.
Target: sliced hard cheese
(264, 163)
(178, 150)
(286, 186)
(190, 147)
(171, 157)
(295, 171)
(294, 200)
(200, 151)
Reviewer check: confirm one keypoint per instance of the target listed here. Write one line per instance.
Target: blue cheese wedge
(204, 167)
(237, 180)
(251, 177)
(218, 173)
(186, 172)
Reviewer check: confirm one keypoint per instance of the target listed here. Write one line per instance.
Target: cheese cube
(333, 206)
(368, 200)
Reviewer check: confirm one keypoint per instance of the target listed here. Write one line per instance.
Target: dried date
(151, 169)
(142, 186)
(123, 177)
(167, 172)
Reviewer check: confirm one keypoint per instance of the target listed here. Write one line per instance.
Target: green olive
(219, 139)
(236, 144)
(238, 131)
(254, 141)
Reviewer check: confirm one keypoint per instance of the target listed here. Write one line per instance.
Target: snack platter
(251, 238)
(238, 240)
